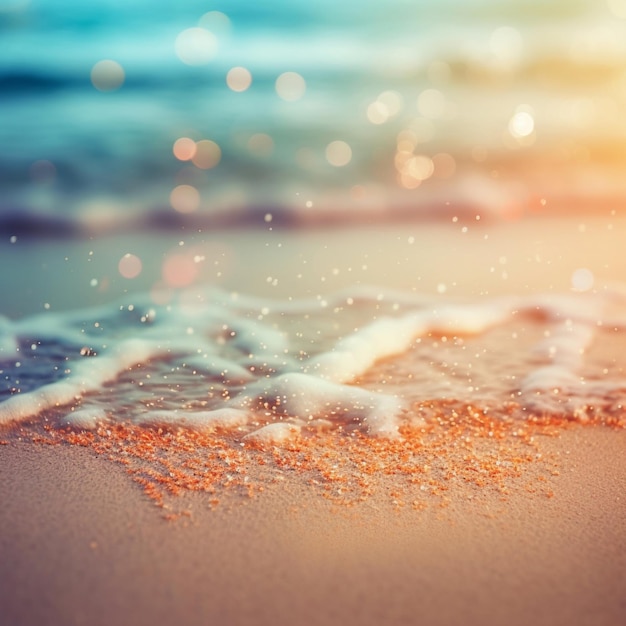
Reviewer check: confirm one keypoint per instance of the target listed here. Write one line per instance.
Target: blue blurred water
(69, 149)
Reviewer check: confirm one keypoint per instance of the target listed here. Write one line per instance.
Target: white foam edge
(89, 374)
(547, 379)
(305, 397)
(389, 336)
(573, 406)
(566, 343)
(584, 308)
(275, 433)
(356, 353)
(24, 405)
(84, 418)
(225, 418)
(469, 319)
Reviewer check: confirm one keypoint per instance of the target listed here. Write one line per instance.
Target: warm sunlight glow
(290, 86)
(196, 46)
(338, 153)
(239, 79)
(184, 149)
(208, 154)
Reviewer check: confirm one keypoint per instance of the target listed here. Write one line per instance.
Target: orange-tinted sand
(79, 545)
(459, 452)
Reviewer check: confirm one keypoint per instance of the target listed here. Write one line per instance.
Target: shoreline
(81, 543)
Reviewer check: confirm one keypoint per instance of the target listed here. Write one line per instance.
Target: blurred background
(118, 114)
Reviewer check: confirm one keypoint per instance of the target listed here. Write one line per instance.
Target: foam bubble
(85, 418)
(226, 418)
(276, 433)
(550, 379)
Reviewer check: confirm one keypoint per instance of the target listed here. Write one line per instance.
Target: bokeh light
(521, 124)
(338, 153)
(431, 103)
(196, 46)
(130, 266)
(185, 199)
(377, 113)
(208, 154)
(413, 169)
(444, 165)
(239, 79)
(290, 86)
(495, 98)
(393, 102)
(387, 105)
(184, 149)
(217, 22)
(582, 279)
(261, 144)
(506, 44)
(179, 270)
(107, 75)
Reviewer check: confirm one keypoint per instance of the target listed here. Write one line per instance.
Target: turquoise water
(399, 106)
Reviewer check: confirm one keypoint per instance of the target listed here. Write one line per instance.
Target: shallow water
(366, 359)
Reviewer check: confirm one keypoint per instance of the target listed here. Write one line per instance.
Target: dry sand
(80, 543)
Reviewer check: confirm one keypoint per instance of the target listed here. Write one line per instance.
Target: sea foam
(273, 370)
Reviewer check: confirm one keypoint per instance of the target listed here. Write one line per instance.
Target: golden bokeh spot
(238, 79)
(338, 153)
(208, 154)
(290, 86)
(184, 149)
(185, 199)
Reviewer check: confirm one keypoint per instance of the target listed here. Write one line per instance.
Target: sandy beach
(311, 315)
(81, 542)
(81, 545)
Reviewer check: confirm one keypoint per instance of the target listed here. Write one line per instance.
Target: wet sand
(80, 544)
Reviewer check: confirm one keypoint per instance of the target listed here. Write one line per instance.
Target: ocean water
(267, 120)
(321, 112)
